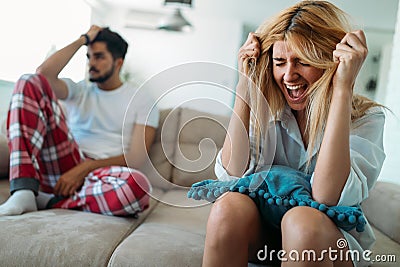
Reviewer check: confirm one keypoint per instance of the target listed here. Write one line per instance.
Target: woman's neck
(301, 118)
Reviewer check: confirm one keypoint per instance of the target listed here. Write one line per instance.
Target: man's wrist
(86, 37)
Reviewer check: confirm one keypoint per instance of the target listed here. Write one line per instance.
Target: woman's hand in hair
(249, 50)
(248, 53)
(350, 54)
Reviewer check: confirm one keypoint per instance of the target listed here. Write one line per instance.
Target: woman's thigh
(306, 229)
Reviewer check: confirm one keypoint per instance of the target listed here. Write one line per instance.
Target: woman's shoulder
(376, 110)
(364, 107)
(373, 115)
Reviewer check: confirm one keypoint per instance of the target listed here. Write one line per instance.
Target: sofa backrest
(186, 145)
(187, 142)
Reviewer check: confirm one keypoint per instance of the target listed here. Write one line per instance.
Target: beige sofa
(172, 231)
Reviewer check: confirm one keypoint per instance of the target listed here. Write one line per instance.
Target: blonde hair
(311, 29)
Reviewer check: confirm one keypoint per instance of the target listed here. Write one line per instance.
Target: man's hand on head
(93, 32)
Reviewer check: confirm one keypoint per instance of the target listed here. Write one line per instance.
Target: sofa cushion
(382, 208)
(59, 237)
(172, 235)
(385, 247)
(159, 168)
(177, 211)
(201, 135)
(4, 190)
(153, 245)
(4, 157)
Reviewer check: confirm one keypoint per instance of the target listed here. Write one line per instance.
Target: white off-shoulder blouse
(285, 144)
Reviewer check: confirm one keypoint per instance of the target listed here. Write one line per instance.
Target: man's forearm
(99, 163)
(71, 180)
(54, 64)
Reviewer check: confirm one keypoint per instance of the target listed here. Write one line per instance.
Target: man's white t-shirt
(102, 121)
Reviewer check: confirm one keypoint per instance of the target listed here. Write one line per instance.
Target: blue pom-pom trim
(268, 195)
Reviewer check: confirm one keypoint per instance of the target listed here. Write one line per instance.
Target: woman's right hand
(250, 49)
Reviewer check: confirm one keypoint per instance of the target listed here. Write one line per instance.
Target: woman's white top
(285, 144)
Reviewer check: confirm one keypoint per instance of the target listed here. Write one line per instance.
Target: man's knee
(138, 179)
(33, 85)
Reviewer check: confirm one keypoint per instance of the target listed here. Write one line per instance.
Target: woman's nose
(290, 72)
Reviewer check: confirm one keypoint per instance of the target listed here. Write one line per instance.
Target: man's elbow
(41, 70)
(45, 72)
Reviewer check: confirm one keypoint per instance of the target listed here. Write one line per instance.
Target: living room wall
(216, 38)
(390, 171)
(33, 29)
(218, 34)
(151, 52)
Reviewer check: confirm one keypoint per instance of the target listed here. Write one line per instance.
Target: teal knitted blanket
(275, 192)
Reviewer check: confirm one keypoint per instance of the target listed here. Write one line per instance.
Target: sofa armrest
(382, 208)
(4, 157)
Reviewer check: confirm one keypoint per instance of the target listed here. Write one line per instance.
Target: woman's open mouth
(297, 92)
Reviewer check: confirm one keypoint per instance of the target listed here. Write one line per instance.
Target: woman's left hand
(350, 54)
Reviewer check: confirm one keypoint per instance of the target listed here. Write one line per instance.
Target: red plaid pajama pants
(42, 148)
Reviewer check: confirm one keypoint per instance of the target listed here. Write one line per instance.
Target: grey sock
(42, 199)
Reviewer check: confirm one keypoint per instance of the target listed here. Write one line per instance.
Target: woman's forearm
(236, 148)
(333, 163)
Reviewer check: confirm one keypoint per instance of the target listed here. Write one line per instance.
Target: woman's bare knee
(233, 225)
(304, 222)
(233, 214)
(306, 229)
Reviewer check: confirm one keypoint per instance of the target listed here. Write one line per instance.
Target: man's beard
(105, 77)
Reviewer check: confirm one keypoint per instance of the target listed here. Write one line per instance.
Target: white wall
(5, 96)
(366, 13)
(40, 26)
(150, 52)
(379, 44)
(391, 166)
(32, 29)
(217, 36)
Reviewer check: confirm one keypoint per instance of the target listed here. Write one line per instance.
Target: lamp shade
(174, 22)
(178, 2)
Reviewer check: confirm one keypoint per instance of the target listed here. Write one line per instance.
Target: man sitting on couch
(80, 165)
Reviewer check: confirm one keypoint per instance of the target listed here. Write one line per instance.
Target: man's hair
(114, 42)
